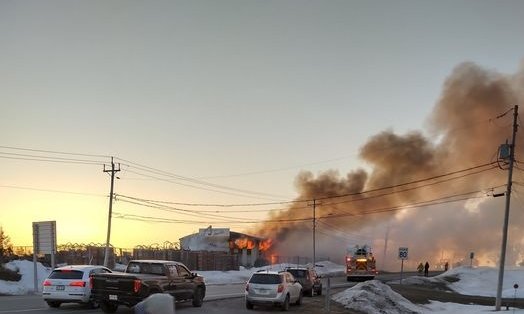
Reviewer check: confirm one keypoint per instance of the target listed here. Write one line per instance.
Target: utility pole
(498, 301)
(113, 171)
(314, 233)
(314, 205)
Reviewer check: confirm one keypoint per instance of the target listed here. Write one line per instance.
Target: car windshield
(299, 273)
(271, 279)
(66, 274)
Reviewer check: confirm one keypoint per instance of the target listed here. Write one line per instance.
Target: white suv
(273, 288)
(71, 284)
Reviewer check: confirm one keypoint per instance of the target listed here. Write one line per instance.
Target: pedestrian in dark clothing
(446, 266)
(426, 269)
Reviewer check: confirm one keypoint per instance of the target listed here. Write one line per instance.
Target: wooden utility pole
(498, 300)
(113, 171)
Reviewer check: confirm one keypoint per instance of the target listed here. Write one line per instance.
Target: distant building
(248, 248)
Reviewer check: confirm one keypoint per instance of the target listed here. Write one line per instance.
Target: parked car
(143, 278)
(70, 284)
(308, 278)
(273, 288)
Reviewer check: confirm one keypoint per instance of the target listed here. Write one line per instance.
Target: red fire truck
(360, 264)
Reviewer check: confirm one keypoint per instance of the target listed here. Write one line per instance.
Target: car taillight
(136, 286)
(47, 283)
(280, 288)
(77, 284)
(247, 287)
(91, 282)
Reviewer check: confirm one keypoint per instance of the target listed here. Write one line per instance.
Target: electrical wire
(192, 180)
(341, 195)
(53, 152)
(51, 191)
(433, 202)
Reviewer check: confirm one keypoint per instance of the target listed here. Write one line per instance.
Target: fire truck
(360, 264)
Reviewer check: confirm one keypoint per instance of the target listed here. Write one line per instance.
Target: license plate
(113, 297)
(59, 288)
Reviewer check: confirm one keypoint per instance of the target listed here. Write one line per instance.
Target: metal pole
(328, 295)
(401, 270)
(498, 300)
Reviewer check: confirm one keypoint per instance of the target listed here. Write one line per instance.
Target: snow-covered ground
(368, 297)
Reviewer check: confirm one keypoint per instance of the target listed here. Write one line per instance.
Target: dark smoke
(463, 131)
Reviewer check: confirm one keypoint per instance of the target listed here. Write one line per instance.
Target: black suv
(308, 278)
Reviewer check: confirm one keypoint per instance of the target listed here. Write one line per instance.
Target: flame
(245, 243)
(265, 245)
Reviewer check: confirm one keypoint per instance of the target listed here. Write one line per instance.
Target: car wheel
(54, 304)
(299, 300)
(249, 305)
(108, 307)
(285, 305)
(93, 304)
(198, 297)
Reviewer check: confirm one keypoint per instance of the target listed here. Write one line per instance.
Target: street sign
(403, 253)
(44, 242)
(44, 237)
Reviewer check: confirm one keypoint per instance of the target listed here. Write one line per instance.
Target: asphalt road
(227, 299)
(219, 299)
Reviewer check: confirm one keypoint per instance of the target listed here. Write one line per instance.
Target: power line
(179, 210)
(194, 181)
(54, 160)
(213, 211)
(408, 183)
(411, 188)
(340, 195)
(51, 191)
(433, 202)
(53, 152)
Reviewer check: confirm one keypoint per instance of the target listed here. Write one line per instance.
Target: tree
(6, 248)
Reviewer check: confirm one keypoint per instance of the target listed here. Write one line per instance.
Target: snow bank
(26, 283)
(375, 297)
(479, 281)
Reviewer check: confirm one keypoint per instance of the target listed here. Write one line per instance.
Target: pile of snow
(479, 281)
(375, 297)
(26, 284)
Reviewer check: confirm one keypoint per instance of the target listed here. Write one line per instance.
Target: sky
(367, 297)
(216, 102)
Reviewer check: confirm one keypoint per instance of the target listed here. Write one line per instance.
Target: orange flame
(265, 245)
(245, 243)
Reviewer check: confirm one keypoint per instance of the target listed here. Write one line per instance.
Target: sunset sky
(214, 102)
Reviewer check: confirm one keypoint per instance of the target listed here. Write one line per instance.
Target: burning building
(250, 250)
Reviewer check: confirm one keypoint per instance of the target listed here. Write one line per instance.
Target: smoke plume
(392, 205)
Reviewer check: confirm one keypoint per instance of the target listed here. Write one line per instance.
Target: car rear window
(272, 279)
(297, 272)
(66, 274)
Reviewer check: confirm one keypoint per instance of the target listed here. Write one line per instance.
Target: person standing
(446, 266)
(426, 269)
(420, 268)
